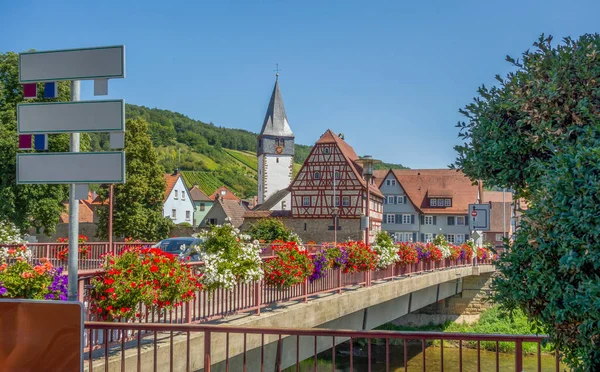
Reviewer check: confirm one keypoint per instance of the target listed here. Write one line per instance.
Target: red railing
(190, 347)
(252, 297)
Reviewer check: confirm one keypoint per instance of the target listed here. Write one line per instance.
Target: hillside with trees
(207, 154)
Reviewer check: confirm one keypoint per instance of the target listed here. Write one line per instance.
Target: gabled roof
(267, 214)
(229, 195)
(85, 213)
(273, 200)
(171, 181)
(420, 183)
(234, 210)
(276, 123)
(380, 175)
(198, 195)
(350, 156)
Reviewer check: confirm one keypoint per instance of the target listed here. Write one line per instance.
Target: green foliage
(27, 206)
(384, 239)
(271, 229)
(138, 203)
(538, 133)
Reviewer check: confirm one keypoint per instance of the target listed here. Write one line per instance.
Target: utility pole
(110, 218)
(73, 212)
(503, 214)
(335, 209)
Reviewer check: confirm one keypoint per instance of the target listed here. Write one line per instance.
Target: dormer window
(433, 202)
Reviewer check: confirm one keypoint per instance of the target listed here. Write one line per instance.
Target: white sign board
(71, 167)
(479, 217)
(72, 64)
(65, 117)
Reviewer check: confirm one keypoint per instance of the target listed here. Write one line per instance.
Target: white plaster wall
(288, 204)
(180, 205)
(277, 176)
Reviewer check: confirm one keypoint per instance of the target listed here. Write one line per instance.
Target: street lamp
(334, 212)
(367, 163)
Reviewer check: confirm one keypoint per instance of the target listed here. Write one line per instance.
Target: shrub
(146, 276)
(9, 234)
(289, 267)
(272, 229)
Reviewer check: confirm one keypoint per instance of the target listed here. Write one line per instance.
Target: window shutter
(404, 198)
(422, 237)
(435, 220)
(398, 218)
(385, 200)
(422, 218)
(412, 219)
(384, 218)
(466, 237)
(414, 237)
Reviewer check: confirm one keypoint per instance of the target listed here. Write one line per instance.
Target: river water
(415, 359)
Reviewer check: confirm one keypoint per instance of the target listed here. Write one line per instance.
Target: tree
(538, 132)
(27, 206)
(271, 229)
(138, 203)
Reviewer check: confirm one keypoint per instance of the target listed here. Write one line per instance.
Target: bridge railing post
(519, 355)
(258, 295)
(339, 280)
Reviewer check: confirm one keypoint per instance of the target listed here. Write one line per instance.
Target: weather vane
(277, 70)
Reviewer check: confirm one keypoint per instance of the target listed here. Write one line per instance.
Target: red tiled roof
(171, 181)
(418, 182)
(229, 195)
(85, 213)
(351, 157)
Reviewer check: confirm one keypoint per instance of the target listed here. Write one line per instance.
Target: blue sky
(390, 75)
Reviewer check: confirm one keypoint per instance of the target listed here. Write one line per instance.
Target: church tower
(275, 150)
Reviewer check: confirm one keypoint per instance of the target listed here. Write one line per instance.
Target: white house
(178, 204)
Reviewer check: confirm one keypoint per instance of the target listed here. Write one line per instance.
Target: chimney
(175, 172)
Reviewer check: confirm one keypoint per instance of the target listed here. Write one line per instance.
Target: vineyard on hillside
(246, 158)
(208, 182)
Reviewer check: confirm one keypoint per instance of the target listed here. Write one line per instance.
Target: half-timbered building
(332, 178)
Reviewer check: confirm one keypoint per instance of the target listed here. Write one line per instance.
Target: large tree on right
(538, 132)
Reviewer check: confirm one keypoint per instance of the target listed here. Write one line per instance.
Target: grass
(491, 321)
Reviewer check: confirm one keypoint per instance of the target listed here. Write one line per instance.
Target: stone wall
(463, 307)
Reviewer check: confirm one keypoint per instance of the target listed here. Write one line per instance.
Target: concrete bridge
(459, 289)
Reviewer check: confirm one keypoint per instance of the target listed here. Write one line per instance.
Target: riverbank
(491, 321)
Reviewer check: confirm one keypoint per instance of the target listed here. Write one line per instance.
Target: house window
(223, 192)
(283, 205)
(460, 220)
(326, 150)
(390, 199)
(450, 220)
(336, 201)
(428, 237)
(182, 195)
(393, 182)
(433, 202)
(459, 238)
(388, 182)
(499, 237)
(259, 143)
(428, 220)
(399, 199)
(404, 237)
(406, 219)
(173, 213)
(282, 143)
(447, 202)
(176, 195)
(306, 201)
(187, 215)
(317, 176)
(390, 218)
(212, 221)
(450, 238)
(337, 175)
(202, 207)
(345, 201)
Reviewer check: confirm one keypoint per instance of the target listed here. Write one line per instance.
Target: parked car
(184, 247)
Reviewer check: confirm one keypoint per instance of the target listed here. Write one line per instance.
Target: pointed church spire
(276, 123)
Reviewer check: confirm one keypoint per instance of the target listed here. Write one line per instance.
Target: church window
(317, 175)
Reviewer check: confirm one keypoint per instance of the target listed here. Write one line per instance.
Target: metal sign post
(38, 119)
